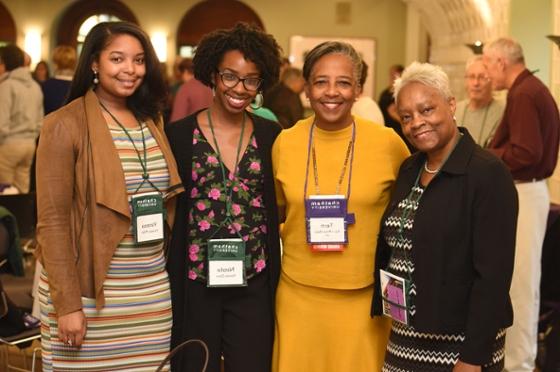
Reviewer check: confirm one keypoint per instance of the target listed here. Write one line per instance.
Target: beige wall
(383, 20)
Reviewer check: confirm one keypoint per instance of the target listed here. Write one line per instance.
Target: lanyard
(228, 190)
(348, 159)
(143, 163)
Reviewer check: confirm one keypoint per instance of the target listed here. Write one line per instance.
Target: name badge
(327, 220)
(226, 259)
(394, 291)
(148, 217)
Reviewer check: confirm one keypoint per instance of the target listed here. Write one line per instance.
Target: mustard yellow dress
(323, 298)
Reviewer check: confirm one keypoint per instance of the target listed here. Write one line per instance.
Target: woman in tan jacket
(106, 182)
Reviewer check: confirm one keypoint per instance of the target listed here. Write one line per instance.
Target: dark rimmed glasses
(230, 80)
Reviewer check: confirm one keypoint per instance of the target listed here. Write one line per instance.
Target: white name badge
(226, 273)
(149, 228)
(326, 230)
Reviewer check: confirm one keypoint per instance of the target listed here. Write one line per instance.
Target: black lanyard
(349, 159)
(228, 190)
(143, 163)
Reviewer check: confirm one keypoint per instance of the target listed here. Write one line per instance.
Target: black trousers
(235, 322)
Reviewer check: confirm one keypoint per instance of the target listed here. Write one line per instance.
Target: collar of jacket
(458, 159)
(106, 162)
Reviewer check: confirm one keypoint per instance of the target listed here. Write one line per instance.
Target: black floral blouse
(209, 207)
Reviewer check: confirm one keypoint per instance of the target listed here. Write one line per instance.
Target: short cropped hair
(64, 57)
(332, 47)
(11, 56)
(424, 73)
(507, 48)
(363, 75)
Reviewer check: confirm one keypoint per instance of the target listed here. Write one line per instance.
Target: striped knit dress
(132, 331)
(409, 350)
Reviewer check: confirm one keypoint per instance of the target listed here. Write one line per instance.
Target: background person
(41, 72)
(480, 113)
(526, 140)
(365, 106)
(283, 98)
(324, 296)
(192, 94)
(21, 114)
(223, 154)
(97, 156)
(56, 89)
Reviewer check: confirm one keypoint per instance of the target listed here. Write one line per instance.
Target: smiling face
(427, 118)
(121, 68)
(234, 100)
(332, 89)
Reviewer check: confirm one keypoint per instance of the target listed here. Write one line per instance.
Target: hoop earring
(95, 77)
(258, 101)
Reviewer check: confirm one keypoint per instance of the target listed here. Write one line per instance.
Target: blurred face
(332, 89)
(495, 68)
(477, 82)
(41, 72)
(426, 118)
(121, 67)
(231, 93)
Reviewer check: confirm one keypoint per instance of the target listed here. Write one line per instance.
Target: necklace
(429, 170)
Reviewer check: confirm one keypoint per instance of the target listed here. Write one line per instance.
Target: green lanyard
(228, 190)
(143, 163)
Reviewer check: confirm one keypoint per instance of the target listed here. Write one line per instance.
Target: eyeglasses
(482, 78)
(231, 80)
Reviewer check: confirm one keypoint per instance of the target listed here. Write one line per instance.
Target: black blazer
(463, 241)
(180, 135)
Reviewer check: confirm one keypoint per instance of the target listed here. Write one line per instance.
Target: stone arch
(79, 11)
(210, 15)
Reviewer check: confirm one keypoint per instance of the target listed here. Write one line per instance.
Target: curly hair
(255, 45)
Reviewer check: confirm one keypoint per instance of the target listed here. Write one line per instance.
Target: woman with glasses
(334, 173)
(224, 261)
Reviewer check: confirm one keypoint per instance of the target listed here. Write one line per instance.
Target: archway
(210, 15)
(79, 11)
(7, 26)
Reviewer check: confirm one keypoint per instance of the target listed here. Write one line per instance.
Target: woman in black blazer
(446, 247)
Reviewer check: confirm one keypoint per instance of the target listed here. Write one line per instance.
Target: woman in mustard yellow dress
(333, 173)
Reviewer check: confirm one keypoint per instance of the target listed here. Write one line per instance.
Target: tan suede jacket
(83, 209)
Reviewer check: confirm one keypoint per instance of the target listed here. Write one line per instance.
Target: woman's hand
(465, 367)
(72, 328)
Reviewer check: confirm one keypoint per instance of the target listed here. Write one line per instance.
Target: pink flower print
(203, 225)
(236, 209)
(256, 202)
(230, 176)
(196, 131)
(244, 187)
(245, 238)
(211, 214)
(260, 265)
(234, 227)
(194, 248)
(255, 165)
(192, 275)
(200, 206)
(212, 160)
(263, 228)
(194, 192)
(193, 257)
(200, 266)
(235, 188)
(214, 194)
(254, 142)
(194, 140)
(202, 180)
(194, 175)
(197, 165)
